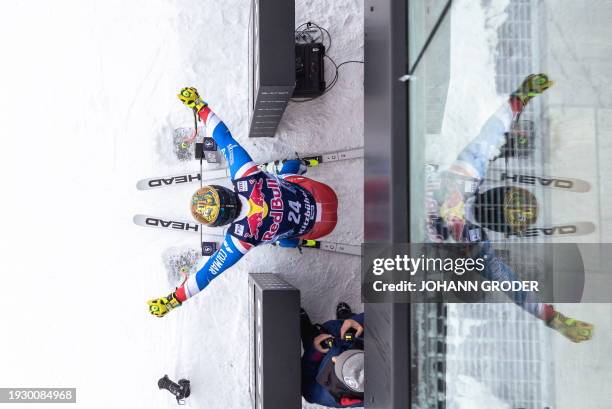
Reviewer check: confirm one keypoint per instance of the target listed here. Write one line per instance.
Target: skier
(452, 199)
(261, 208)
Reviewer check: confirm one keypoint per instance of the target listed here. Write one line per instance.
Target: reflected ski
(554, 182)
(499, 175)
(560, 230)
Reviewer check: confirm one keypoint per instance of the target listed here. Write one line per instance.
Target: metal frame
(271, 63)
(275, 347)
(387, 339)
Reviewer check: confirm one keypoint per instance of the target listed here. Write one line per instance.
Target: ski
(179, 179)
(178, 225)
(560, 230)
(223, 172)
(219, 234)
(561, 183)
(331, 246)
(495, 174)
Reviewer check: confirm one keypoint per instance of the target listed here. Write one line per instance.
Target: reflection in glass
(422, 17)
(498, 356)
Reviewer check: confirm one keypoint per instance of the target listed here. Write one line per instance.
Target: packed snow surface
(88, 108)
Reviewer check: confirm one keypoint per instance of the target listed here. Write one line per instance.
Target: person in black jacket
(332, 364)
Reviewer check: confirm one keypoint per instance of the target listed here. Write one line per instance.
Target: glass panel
(503, 355)
(422, 17)
(428, 93)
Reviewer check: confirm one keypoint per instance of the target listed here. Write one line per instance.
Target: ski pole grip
(349, 335)
(199, 150)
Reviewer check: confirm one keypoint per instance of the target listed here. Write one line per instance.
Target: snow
(88, 107)
(474, 395)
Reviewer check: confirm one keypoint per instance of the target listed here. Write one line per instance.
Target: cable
(305, 36)
(350, 61)
(332, 83)
(335, 80)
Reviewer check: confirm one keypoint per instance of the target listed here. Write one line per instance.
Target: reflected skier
(452, 201)
(261, 208)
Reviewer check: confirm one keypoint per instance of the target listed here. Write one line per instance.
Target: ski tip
(589, 227)
(145, 184)
(141, 219)
(583, 187)
(142, 184)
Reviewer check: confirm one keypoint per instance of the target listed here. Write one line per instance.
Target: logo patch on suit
(239, 229)
(474, 234)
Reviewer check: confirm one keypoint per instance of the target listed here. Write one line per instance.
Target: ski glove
(323, 342)
(532, 85)
(348, 324)
(190, 97)
(576, 331)
(160, 306)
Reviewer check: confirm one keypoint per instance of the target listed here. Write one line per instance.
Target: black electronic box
(309, 70)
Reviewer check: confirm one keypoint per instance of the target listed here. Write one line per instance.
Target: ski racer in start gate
(452, 200)
(261, 208)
